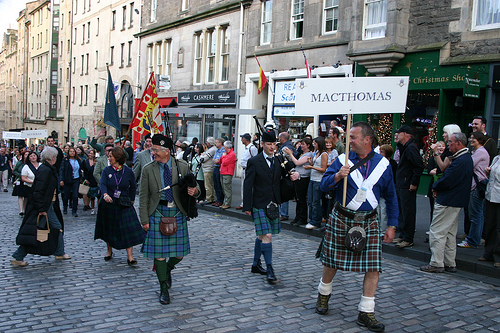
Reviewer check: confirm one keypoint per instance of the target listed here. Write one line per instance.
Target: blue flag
(111, 117)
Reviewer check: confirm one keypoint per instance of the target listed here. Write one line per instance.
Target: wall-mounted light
(338, 64)
(273, 70)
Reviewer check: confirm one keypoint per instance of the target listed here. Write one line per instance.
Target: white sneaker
(310, 226)
(92, 212)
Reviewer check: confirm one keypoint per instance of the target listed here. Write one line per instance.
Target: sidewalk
(466, 258)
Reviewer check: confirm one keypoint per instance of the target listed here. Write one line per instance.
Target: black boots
(259, 269)
(322, 304)
(368, 320)
(164, 296)
(170, 266)
(271, 278)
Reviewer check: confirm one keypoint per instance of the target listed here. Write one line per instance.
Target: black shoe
(21, 214)
(271, 278)
(164, 296)
(368, 320)
(5, 190)
(259, 269)
(131, 262)
(322, 304)
(295, 221)
(65, 210)
(108, 258)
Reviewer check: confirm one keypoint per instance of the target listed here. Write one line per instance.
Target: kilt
(118, 226)
(157, 245)
(334, 253)
(263, 225)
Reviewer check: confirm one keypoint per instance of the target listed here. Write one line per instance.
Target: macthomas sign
(358, 95)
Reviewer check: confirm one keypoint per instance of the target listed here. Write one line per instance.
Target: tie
(271, 160)
(167, 177)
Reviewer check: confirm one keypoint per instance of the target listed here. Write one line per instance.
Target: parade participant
(371, 179)
(155, 204)
(261, 199)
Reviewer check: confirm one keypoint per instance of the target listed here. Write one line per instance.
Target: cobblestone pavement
(214, 291)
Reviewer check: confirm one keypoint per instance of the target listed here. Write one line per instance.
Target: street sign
(35, 134)
(353, 95)
(12, 135)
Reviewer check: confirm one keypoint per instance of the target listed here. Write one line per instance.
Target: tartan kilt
(118, 226)
(263, 225)
(334, 253)
(157, 245)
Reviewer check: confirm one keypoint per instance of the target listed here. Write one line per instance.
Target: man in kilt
(261, 199)
(155, 204)
(370, 180)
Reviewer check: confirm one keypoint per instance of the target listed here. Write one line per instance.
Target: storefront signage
(357, 95)
(284, 92)
(12, 135)
(212, 97)
(28, 134)
(284, 111)
(472, 85)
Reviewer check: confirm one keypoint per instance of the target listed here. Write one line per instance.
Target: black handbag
(47, 247)
(480, 186)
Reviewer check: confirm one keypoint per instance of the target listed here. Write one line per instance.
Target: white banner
(284, 111)
(358, 95)
(13, 135)
(284, 92)
(35, 134)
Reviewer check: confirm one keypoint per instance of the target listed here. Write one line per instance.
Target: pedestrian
(479, 125)
(208, 170)
(143, 158)
(452, 193)
(5, 167)
(28, 171)
(410, 168)
(261, 199)
(20, 190)
(196, 164)
(317, 165)
(328, 199)
(492, 214)
(130, 153)
(301, 184)
(481, 160)
(435, 172)
(284, 142)
(371, 179)
(117, 223)
(441, 159)
(69, 178)
(100, 147)
(219, 192)
(51, 142)
(156, 203)
(44, 201)
(249, 152)
(386, 151)
(334, 134)
(81, 153)
(102, 162)
(227, 166)
(88, 174)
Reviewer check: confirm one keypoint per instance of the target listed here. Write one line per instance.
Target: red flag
(147, 118)
(308, 68)
(262, 78)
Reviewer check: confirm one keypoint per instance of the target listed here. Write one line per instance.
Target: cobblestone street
(214, 291)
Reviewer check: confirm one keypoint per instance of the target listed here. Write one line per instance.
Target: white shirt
(26, 171)
(250, 151)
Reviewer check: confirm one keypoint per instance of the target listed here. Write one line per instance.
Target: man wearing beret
(155, 203)
(261, 199)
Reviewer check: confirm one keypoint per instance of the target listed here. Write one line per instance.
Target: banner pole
(348, 130)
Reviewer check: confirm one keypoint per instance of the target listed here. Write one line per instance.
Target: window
(89, 4)
(96, 90)
(267, 18)
(129, 63)
(84, 6)
(73, 95)
(376, 18)
(83, 59)
(62, 21)
(167, 54)
(224, 55)
(74, 36)
(113, 20)
(159, 58)
(81, 95)
(184, 5)
(122, 55)
(211, 47)
(87, 64)
(76, 6)
(67, 73)
(154, 3)
(297, 27)
(60, 75)
(198, 54)
(124, 14)
(86, 94)
(150, 58)
(74, 64)
(96, 59)
(54, 77)
(131, 24)
(486, 14)
(330, 16)
(111, 55)
(61, 49)
(68, 48)
(97, 29)
(83, 34)
(88, 32)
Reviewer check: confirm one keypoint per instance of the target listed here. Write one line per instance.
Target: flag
(148, 114)
(110, 109)
(262, 78)
(308, 68)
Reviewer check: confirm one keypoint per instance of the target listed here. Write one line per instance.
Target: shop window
(267, 19)
(486, 15)
(297, 26)
(375, 19)
(330, 16)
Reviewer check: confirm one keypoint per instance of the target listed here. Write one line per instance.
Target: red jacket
(228, 163)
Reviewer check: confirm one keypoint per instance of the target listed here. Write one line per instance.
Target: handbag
(46, 241)
(124, 201)
(83, 189)
(42, 235)
(168, 225)
(272, 211)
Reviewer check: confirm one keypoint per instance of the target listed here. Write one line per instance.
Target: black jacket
(261, 186)
(410, 165)
(66, 171)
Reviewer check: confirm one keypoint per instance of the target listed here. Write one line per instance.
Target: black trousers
(301, 186)
(492, 231)
(407, 203)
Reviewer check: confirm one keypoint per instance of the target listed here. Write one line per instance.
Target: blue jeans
(314, 202)
(476, 217)
(284, 209)
(53, 223)
(219, 193)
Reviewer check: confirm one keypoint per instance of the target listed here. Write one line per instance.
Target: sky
(10, 11)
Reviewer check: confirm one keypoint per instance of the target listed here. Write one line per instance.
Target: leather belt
(361, 216)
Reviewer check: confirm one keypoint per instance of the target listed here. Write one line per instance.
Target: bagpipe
(287, 186)
(188, 180)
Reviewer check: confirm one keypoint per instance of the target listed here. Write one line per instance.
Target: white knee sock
(367, 304)
(325, 288)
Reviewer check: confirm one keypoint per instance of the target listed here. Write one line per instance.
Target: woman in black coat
(69, 178)
(43, 201)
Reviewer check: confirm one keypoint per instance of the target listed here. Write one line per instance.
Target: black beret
(162, 140)
(269, 135)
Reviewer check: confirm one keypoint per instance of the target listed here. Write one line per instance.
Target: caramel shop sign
(358, 95)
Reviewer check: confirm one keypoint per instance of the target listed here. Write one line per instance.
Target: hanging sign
(472, 84)
(353, 95)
